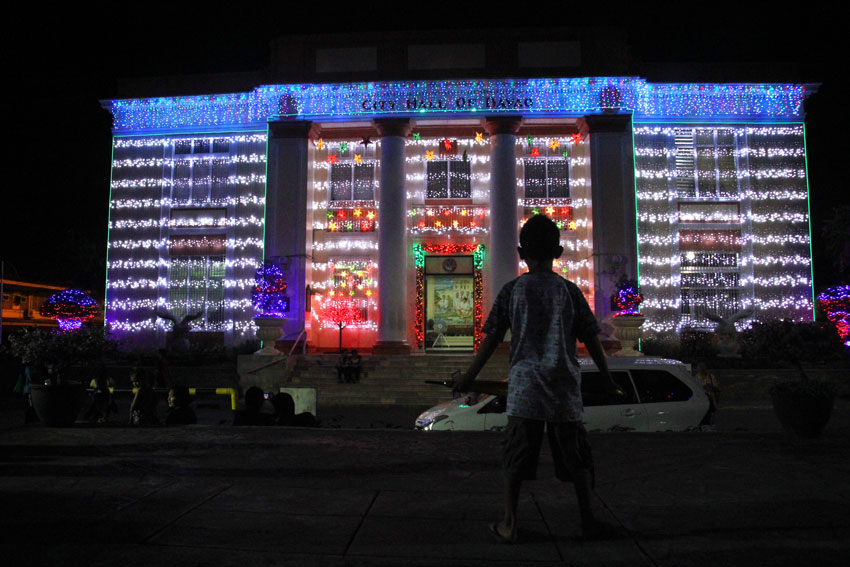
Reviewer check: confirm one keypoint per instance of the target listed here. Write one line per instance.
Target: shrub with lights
(627, 300)
(835, 303)
(71, 308)
(270, 299)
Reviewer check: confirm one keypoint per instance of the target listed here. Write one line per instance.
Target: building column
(392, 239)
(612, 185)
(286, 223)
(504, 236)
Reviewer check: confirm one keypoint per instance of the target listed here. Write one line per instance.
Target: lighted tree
(628, 298)
(70, 307)
(342, 312)
(835, 303)
(270, 299)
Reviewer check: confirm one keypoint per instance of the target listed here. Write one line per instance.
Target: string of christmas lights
(576, 95)
(160, 256)
(748, 184)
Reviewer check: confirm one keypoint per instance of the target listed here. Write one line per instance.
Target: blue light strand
(581, 95)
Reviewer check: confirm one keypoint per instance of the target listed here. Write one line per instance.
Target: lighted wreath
(70, 307)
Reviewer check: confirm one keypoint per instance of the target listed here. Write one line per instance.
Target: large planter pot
(58, 405)
(268, 332)
(627, 330)
(802, 413)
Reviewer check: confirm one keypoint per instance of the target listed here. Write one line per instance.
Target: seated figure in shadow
(179, 407)
(252, 414)
(284, 412)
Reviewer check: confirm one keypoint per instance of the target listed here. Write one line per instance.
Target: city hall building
(395, 205)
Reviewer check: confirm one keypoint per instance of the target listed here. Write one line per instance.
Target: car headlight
(427, 424)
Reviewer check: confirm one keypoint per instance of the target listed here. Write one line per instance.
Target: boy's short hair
(540, 238)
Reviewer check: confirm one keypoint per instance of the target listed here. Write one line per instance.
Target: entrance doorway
(449, 303)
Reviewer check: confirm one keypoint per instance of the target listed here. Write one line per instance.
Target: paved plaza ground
(744, 494)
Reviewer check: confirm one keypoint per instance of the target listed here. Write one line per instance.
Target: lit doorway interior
(449, 303)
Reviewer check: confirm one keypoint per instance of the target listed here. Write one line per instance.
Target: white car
(661, 395)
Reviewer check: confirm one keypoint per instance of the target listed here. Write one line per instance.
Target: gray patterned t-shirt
(546, 314)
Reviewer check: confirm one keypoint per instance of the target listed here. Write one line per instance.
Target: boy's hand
(613, 390)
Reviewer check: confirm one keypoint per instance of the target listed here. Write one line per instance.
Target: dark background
(55, 199)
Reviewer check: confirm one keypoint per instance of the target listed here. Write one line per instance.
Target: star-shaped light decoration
(332, 159)
(357, 212)
(417, 136)
(447, 144)
(550, 211)
(479, 137)
(366, 140)
(566, 153)
(529, 140)
(343, 147)
(320, 143)
(429, 155)
(370, 215)
(577, 138)
(554, 144)
(535, 152)
(358, 159)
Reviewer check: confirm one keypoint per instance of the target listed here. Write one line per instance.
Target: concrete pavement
(207, 495)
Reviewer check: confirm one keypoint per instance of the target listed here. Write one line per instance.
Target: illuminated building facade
(402, 201)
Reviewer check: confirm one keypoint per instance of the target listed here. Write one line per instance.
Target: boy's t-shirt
(546, 314)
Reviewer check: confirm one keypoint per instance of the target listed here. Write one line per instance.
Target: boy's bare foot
(501, 533)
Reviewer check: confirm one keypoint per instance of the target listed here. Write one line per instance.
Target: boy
(546, 314)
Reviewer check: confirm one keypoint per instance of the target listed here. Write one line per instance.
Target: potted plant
(271, 305)
(51, 354)
(627, 319)
(803, 405)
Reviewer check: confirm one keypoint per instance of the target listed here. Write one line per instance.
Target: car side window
(593, 389)
(660, 386)
(496, 405)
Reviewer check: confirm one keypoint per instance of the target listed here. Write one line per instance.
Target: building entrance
(449, 303)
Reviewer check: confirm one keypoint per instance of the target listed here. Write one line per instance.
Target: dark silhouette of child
(102, 403)
(143, 406)
(251, 415)
(284, 412)
(342, 367)
(545, 314)
(355, 364)
(179, 407)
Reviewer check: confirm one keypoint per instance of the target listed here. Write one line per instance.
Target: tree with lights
(835, 303)
(71, 308)
(270, 299)
(342, 312)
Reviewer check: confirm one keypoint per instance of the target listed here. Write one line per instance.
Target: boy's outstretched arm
(597, 353)
(485, 351)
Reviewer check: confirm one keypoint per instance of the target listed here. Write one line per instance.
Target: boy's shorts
(567, 441)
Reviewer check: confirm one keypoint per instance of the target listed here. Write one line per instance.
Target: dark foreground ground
(744, 494)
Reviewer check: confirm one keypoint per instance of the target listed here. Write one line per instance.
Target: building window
(710, 284)
(448, 179)
(352, 181)
(547, 178)
(199, 175)
(706, 166)
(196, 283)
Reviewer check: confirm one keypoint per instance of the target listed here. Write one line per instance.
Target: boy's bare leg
(507, 528)
(582, 486)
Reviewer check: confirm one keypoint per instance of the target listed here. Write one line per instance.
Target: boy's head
(539, 239)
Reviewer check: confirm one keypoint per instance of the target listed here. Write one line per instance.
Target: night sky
(55, 203)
